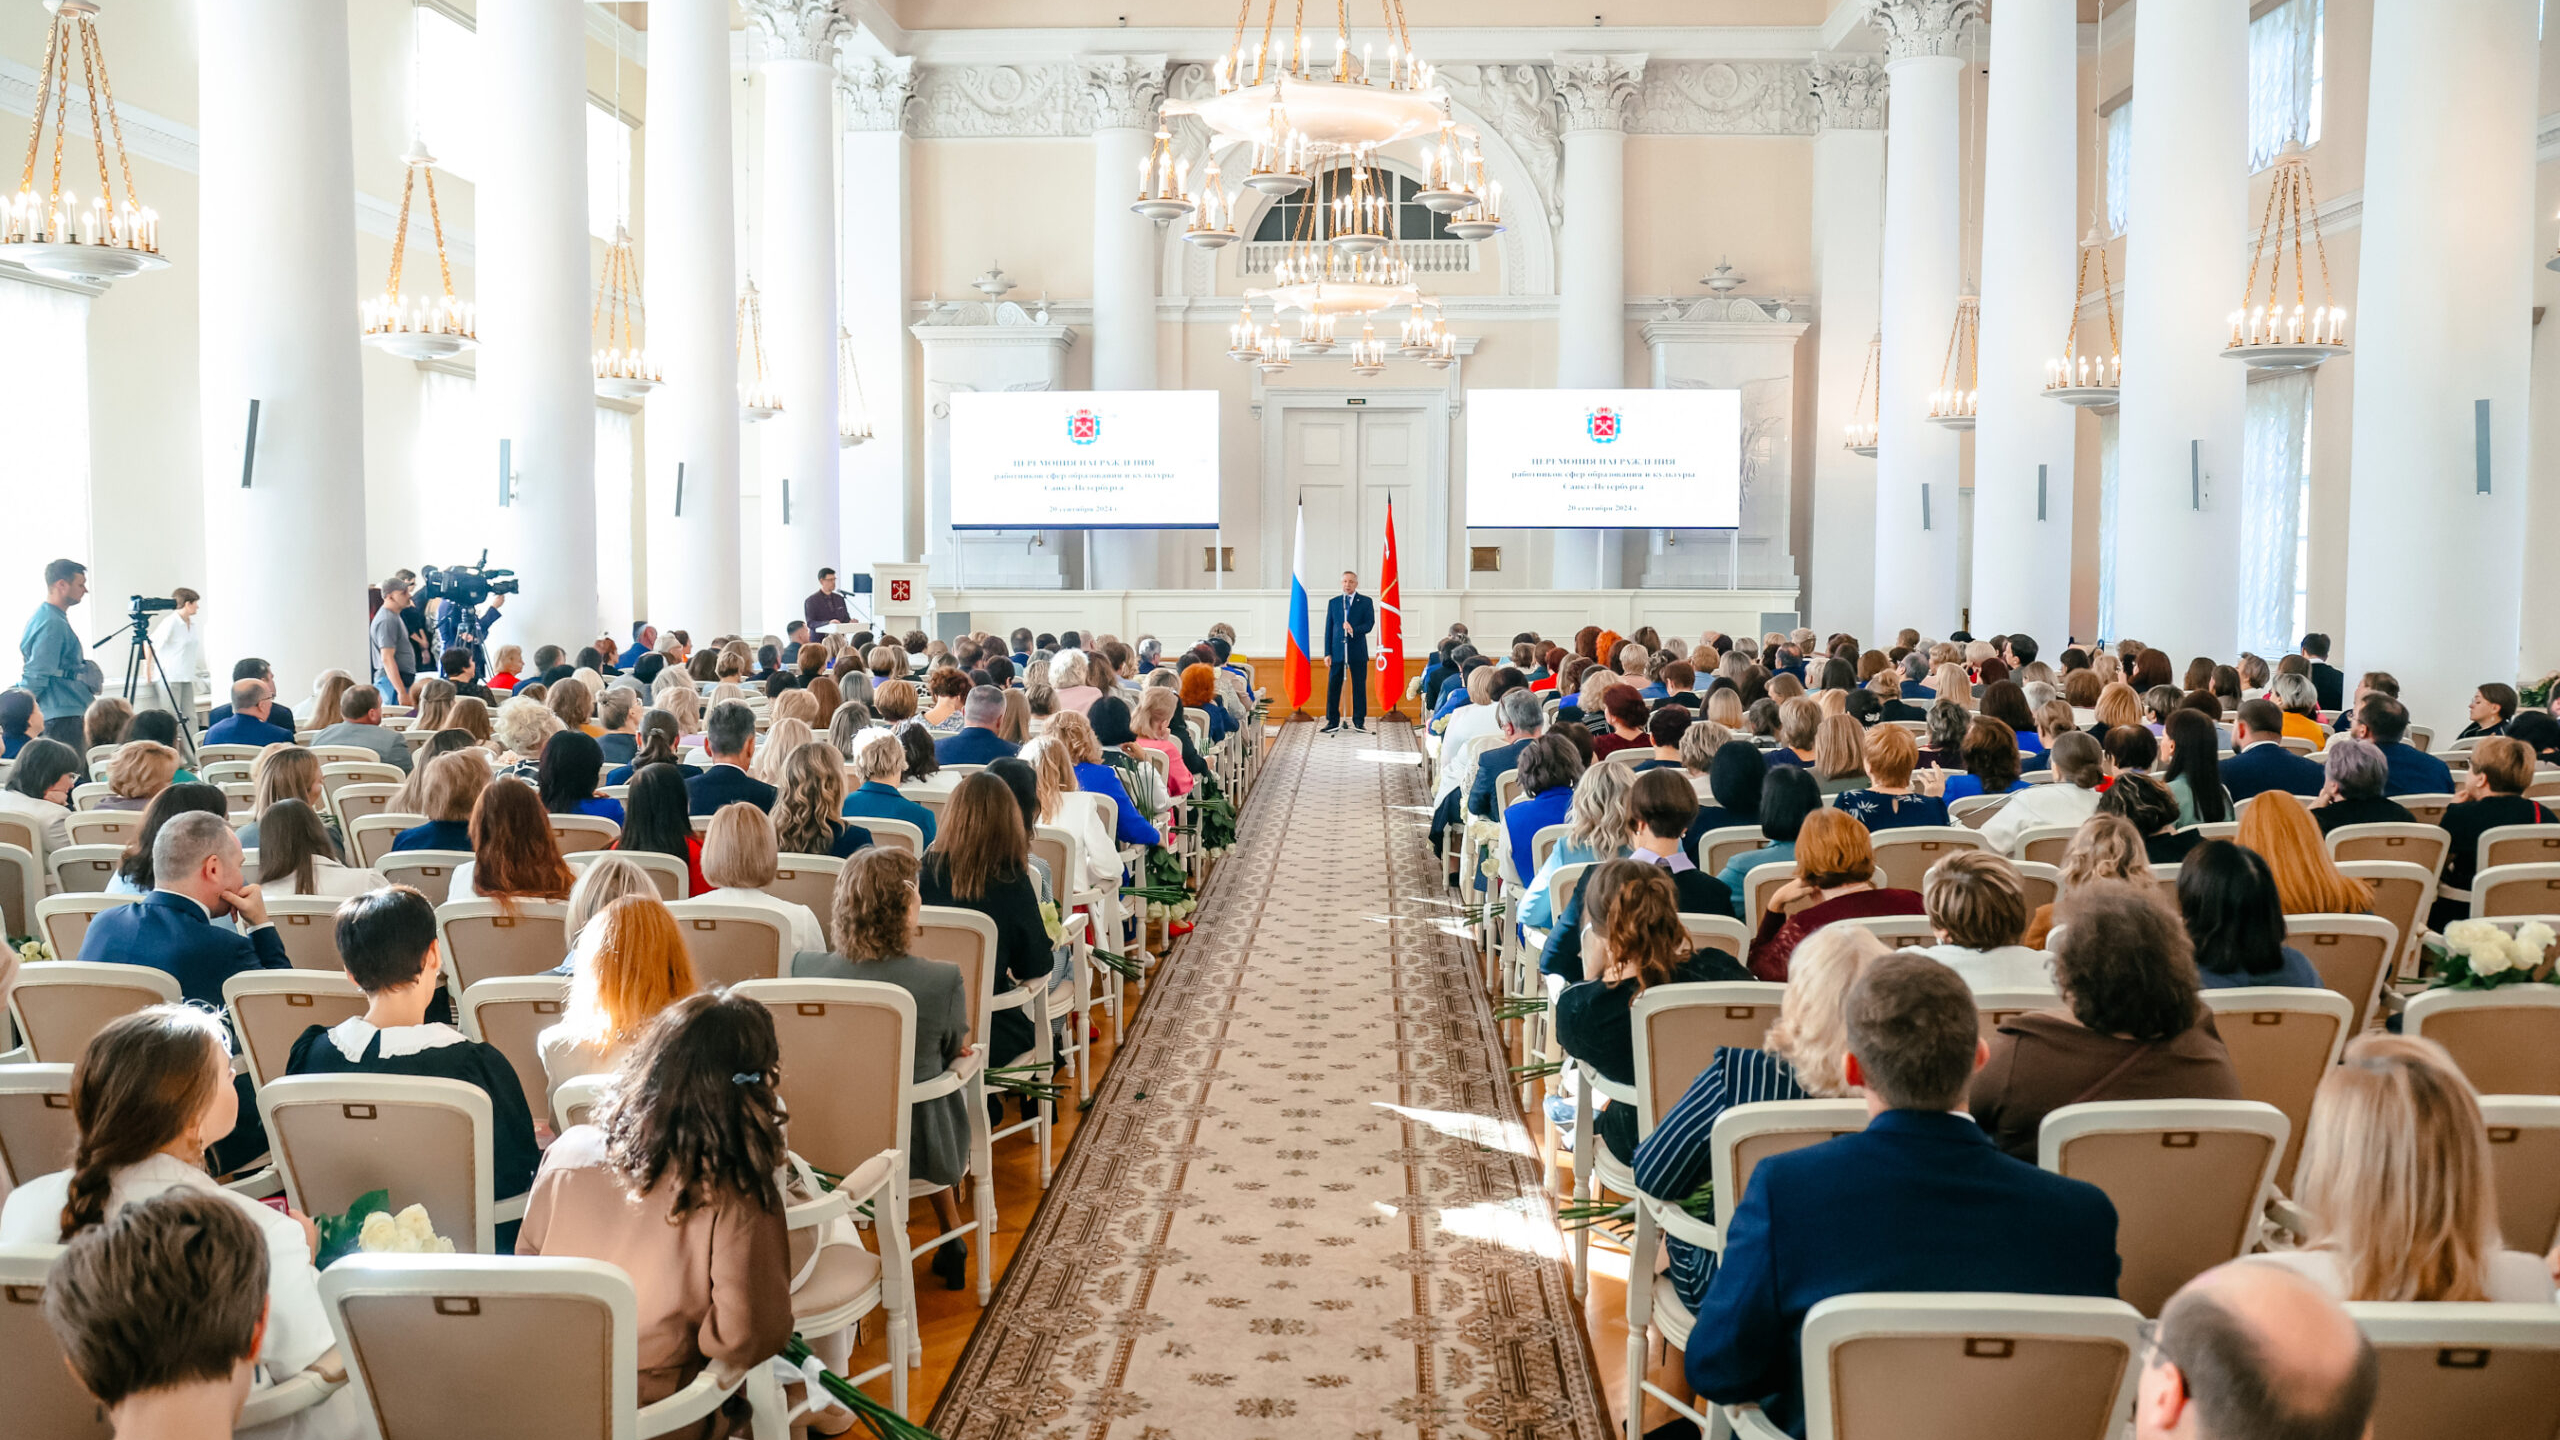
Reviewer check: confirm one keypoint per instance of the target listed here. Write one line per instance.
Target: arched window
(1414, 221)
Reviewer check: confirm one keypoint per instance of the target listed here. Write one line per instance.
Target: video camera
(147, 604)
(465, 585)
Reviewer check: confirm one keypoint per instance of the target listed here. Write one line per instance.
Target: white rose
(2463, 937)
(2536, 937)
(2492, 958)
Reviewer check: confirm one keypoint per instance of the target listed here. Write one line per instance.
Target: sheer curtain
(2276, 457)
(615, 598)
(44, 425)
(2284, 79)
(2107, 493)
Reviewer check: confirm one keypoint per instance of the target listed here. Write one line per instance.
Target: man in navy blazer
(248, 722)
(976, 742)
(2385, 721)
(195, 860)
(2261, 763)
(1919, 1201)
(729, 742)
(1348, 619)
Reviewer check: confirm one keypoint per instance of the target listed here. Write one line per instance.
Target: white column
(2022, 531)
(1848, 243)
(1916, 462)
(801, 449)
(2189, 221)
(2435, 566)
(536, 378)
(874, 514)
(1591, 289)
(692, 285)
(1124, 92)
(284, 557)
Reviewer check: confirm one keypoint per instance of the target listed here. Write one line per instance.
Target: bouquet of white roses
(2481, 955)
(407, 1233)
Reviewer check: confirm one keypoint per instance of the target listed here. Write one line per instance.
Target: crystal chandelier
(421, 329)
(2080, 377)
(2264, 335)
(52, 233)
(624, 370)
(1858, 437)
(1951, 404)
(853, 413)
(756, 395)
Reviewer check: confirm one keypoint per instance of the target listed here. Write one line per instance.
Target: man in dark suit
(1919, 1201)
(247, 724)
(824, 606)
(976, 742)
(2260, 762)
(254, 669)
(2385, 721)
(729, 743)
(1348, 619)
(2326, 678)
(1522, 716)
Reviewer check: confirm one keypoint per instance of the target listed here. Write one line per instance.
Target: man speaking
(1348, 619)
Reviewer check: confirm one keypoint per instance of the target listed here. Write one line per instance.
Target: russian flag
(1297, 676)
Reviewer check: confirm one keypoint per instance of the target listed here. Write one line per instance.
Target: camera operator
(55, 666)
(395, 656)
(181, 650)
(457, 627)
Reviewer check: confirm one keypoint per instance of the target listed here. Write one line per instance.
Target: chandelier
(1858, 437)
(853, 417)
(624, 370)
(2264, 335)
(423, 329)
(2080, 377)
(1951, 404)
(51, 233)
(756, 395)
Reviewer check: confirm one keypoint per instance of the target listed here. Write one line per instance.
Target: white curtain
(2284, 79)
(615, 596)
(2107, 493)
(44, 431)
(2119, 165)
(2276, 450)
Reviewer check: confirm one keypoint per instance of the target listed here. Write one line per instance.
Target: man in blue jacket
(1919, 1201)
(2260, 762)
(54, 666)
(1348, 619)
(247, 724)
(729, 743)
(2385, 721)
(976, 742)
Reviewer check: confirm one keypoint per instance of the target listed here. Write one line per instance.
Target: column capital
(876, 92)
(798, 29)
(1597, 91)
(1122, 91)
(1850, 88)
(1922, 29)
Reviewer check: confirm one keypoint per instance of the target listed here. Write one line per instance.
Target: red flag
(1390, 624)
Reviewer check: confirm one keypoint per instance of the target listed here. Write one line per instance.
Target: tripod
(142, 659)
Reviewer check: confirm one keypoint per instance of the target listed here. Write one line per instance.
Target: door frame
(1279, 530)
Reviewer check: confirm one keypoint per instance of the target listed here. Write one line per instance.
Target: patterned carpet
(1304, 1203)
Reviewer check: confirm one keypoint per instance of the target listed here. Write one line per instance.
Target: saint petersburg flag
(1297, 676)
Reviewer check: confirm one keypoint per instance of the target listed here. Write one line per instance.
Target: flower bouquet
(369, 1227)
(2481, 955)
(33, 951)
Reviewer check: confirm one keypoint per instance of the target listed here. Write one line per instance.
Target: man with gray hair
(195, 865)
(247, 724)
(1522, 714)
(729, 743)
(976, 741)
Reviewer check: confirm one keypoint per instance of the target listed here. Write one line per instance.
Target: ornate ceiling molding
(877, 93)
(1517, 102)
(1121, 92)
(1922, 29)
(804, 30)
(1597, 92)
(972, 102)
(1850, 89)
(1725, 97)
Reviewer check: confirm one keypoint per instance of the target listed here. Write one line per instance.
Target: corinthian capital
(1122, 91)
(1921, 29)
(875, 92)
(798, 29)
(1850, 88)
(1597, 91)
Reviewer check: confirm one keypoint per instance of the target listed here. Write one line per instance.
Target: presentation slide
(1596, 459)
(1084, 460)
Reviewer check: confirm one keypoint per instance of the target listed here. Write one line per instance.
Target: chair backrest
(340, 754)
(1994, 1008)
(2524, 1159)
(2283, 1039)
(1745, 1135)
(2427, 809)
(811, 881)
(337, 775)
(2041, 883)
(1717, 847)
(2503, 845)
(732, 943)
(37, 1131)
(1563, 886)
(43, 1399)
(1974, 811)
(897, 834)
(1895, 931)
(88, 794)
(424, 1138)
(1679, 1028)
(104, 827)
(212, 755)
(511, 1012)
(1541, 845)
(1904, 854)
(271, 1008)
(1717, 932)
(558, 1337)
(370, 836)
(2045, 844)
(430, 872)
(21, 886)
(670, 873)
(967, 939)
(2188, 1178)
(848, 1061)
(21, 831)
(364, 797)
(2422, 845)
(2353, 953)
(2506, 1040)
(2467, 1369)
(1987, 1367)
(308, 926)
(1506, 788)
(2402, 893)
(62, 921)
(1762, 882)
(483, 939)
(83, 869)
(61, 1005)
(930, 799)
(574, 1099)
(239, 796)
(2516, 890)
(583, 832)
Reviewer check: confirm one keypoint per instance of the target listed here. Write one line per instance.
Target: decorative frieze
(877, 93)
(1597, 92)
(1725, 97)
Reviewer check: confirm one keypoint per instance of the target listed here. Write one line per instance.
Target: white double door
(1345, 466)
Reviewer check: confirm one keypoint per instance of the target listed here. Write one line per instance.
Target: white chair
(430, 872)
(1717, 932)
(2507, 890)
(2426, 809)
(371, 836)
(270, 1009)
(900, 834)
(342, 754)
(2042, 883)
(2502, 845)
(1762, 882)
(484, 939)
(1717, 847)
(22, 884)
(1974, 811)
(574, 1100)
(2188, 1179)
(2422, 845)
(511, 1012)
(62, 921)
(2044, 844)
(59, 1006)
(2506, 1041)
(675, 881)
(1086, 914)
(2283, 1039)
(1995, 1008)
(37, 1128)
(209, 755)
(426, 1139)
(968, 939)
(84, 869)
(2403, 893)
(87, 796)
(2524, 1158)
(361, 798)
(104, 827)
(809, 880)
(732, 943)
(1904, 854)
(334, 777)
(308, 926)
(574, 833)
(2353, 953)
(2474, 1369)
(1896, 931)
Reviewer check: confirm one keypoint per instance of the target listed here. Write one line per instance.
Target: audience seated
(2071, 797)
(2383, 720)
(571, 777)
(140, 771)
(980, 860)
(1990, 762)
(514, 855)
(1979, 909)
(1839, 753)
(2262, 762)
(360, 723)
(808, 811)
(133, 869)
(1598, 826)
(2308, 881)
(450, 794)
(195, 862)
(973, 739)
(1522, 718)
(2358, 775)
(1889, 800)
(2492, 795)
(20, 720)
(1918, 1201)
(730, 745)
(2245, 1351)
(2193, 773)
(1834, 880)
(1635, 942)
(1098, 775)
(661, 742)
(628, 963)
(2492, 707)
(1658, 807)
(161, 1311)
(883, 763)
(2152, 810)
(1787, 796)
(1062, 803)
(1151, 720)
(740, 857)
(2136, 1030)
(2235, 920)
(248, 722)
(1734, 772)
(39, 789)
(297, 857)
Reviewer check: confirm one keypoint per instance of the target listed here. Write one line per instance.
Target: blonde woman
(1070, 674)
(2107, 848)
(1950, 682)
(506, 666)
(436, 699)
(524, 726)
(470, 715)
(2396, 1177)
(631, 968)
(740, 857)
(1016, 726)
(606, 878)
(684, 704)
(2118, 704)
(329, 692)
(1802, 1059)
(795, 705)
(1064, 804)
(1151, 716)
(1724, 707)
(287, 772)
(808, 807)
(574, 703)
(893, 702)
(140, 771)
(1597, 826)
(1839, 753)
(774, 747)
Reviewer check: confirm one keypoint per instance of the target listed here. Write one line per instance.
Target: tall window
(449, 97)
(2108, 490)
(2284, 79)
(608, 161)
(2119, 123)
(1414, 221)
(2276, 469)
(44, 415)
